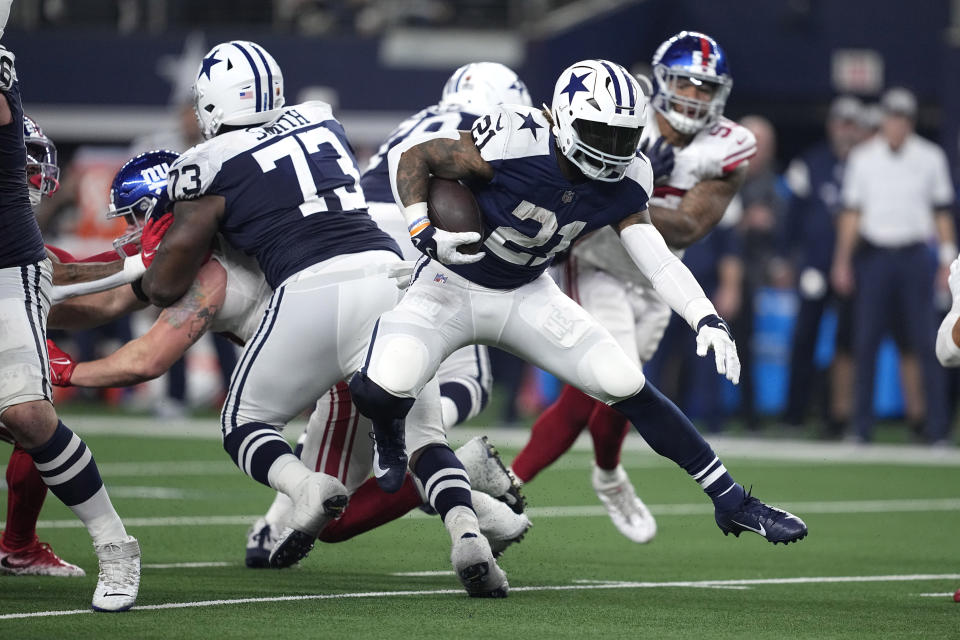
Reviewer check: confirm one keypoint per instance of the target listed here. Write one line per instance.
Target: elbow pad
(670, 277)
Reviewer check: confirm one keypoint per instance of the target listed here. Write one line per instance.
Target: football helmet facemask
(482, 85)
(139, 189)
(598, 116)
(238, 83)
(43, 172)
(694, 58)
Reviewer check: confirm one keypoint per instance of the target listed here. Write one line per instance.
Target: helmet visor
(608, 140)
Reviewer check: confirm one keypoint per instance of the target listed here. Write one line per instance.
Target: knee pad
(375, 402)
(401, 367)
(610, 375)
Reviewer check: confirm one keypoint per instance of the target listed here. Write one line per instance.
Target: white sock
(286, 473)
(607, 476)
(100, 518)
(279, 511)
(461, 520)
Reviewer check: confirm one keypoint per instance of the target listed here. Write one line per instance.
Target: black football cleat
(776, 525)
(389, 455)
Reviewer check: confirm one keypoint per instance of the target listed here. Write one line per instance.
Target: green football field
(882, 558)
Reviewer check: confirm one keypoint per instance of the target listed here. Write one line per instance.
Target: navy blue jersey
(376, 177)
(292, 191)
(530, 211)
(815, 180)
(20, 239)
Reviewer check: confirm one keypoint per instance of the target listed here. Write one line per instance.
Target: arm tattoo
(192, 309)
(442, 157)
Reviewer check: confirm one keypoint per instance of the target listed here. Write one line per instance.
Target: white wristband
(133, 267)
(416, 217)
(947, 253)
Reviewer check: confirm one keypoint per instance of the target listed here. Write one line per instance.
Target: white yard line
(842, 507)
(567, 587)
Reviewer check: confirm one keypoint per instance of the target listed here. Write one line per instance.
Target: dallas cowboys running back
(63, 459)
(542, 180)
(472, 89)
(699, 161)
(287, 191)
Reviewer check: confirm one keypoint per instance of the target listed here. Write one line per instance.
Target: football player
(948, 336)
(699, 161)
(62, 458)
(21, 552)
(472, 89)
(281, 183)
(542, 179)
(229, 296)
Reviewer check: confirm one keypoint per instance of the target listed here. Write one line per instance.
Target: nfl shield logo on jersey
(442, 279)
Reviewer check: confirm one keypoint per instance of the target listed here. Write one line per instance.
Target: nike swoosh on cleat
(5, 561)
(762, 531)
(379, 471)
(107, 595)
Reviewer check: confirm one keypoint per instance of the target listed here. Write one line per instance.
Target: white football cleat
(477, 569)
(627, 511)
(119, 579)
(37, 559)
(318, 499)
(498, 523)
(487, 473)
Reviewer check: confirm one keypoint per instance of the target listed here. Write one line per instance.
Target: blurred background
(106, 78)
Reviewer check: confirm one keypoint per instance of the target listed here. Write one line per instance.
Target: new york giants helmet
(43, 172)
(139, 189)
(695, 58)
(238, 83)
(598, 116)
(482, 85)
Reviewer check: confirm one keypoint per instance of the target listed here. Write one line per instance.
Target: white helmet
(482, 85)
(598, 112)
(238, 83)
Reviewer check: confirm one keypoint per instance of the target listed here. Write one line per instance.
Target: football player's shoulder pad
(511, 131)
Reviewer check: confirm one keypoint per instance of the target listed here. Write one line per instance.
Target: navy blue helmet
(43, 172)
(693, 58)
(139, 189)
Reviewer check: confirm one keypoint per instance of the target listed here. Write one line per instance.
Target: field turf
(881, 561)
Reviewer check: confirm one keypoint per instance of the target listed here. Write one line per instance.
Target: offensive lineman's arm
(701, 208)
(680, 290)
(446, 155)
(175, 331)
(184, 248)
(93, 310)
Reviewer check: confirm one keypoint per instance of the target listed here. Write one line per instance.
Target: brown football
(452, 207)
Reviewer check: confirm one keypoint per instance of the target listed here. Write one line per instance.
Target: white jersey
(712, 153)
(246, 296)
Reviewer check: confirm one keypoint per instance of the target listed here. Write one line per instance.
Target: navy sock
(67, 467)
(254, 447)
(444, 479)
(672, 435)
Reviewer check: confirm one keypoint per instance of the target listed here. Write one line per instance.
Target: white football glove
(713, 333)
(954, 280)
(7, 73)
(442, 245)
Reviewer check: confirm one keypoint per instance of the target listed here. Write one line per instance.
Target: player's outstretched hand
(661, 158)
(713, 333)
(442, 245)
(61, 365)
(152, 234)
(7, 73)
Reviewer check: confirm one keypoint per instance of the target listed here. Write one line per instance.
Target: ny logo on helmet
(708, 65)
